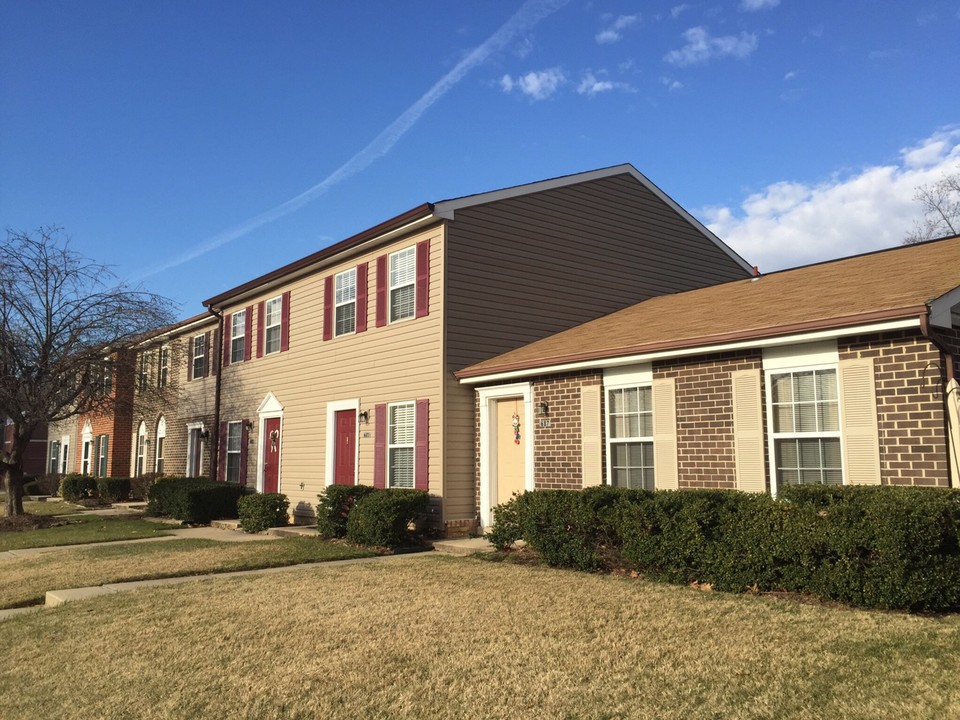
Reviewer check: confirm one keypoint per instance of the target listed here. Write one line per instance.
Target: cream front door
(510, 453)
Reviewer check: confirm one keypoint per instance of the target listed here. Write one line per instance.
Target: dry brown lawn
(435, 637)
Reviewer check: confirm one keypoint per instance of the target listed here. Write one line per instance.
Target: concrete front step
(226, 524)
(463, 546)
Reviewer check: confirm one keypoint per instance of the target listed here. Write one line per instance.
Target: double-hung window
(199, 356)
(403, 289)
(806, 426)
(345, 302)
(103, 452)
(238, 331)
(400, 444)
(630, 437)
(163, 369)
(144, 372)
(53, 463)
(274, 311)
(234, 436)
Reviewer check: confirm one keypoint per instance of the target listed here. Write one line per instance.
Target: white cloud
(791, 223)
(536, 84)
(677, 10)
(790, 75)
(752, 5)
(590, 85)
(671, 84)
(701, 47)
(614, 32)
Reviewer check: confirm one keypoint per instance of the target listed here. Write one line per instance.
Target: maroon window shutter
(380, 446)
(421, 462)
(190, 359)
(328, 308)
(247, 331)
(244, 439)
(381, 291)
(423, 278)
(227, 331)
(260, 320)
(206, 354)
(285, 322)
(222, 454)
(361, 297)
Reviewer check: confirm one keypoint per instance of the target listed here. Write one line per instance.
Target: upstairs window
(272, 325)
(630, 437)
(403, 291)
(163, 368)
(806, 426)
(345, 302)
(199, 356)
(144, 373)
(238, 332)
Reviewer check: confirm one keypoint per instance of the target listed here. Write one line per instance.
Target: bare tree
(64, 321)
(941, 209)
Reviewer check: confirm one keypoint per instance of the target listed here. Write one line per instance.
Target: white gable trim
(270, 405)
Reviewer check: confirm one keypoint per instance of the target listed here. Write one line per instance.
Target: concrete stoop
(463, 546)
(226, 524)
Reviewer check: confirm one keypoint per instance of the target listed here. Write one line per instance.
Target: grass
(23, 581)
(447, 638)
(83, 529)
(51, 508)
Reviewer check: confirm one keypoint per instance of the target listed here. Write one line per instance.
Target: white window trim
(333, 408)
(237, 336)
(194, 356)
(488, 443)
(65, 463)
(139, 450)
(191, 426)
(226, 452)
(412, 404)
(269, 409)
(278, 324)
(773, 437)
(86, 448)
(163, 366)
(391, 287)
(637, 380)
(353, 302)
(161, 434)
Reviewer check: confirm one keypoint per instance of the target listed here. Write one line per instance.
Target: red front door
(345, 453)
(271, 455)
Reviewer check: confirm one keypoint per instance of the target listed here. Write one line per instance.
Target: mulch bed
(19, 523)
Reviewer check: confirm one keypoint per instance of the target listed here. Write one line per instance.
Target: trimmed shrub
(75, 487)
(48, 484)
(193, 500)
(334, 508)
(383, 517)
(140, 486)
(260, 512)
(114, 489)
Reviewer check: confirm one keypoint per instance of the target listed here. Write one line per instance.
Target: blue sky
(194, 146)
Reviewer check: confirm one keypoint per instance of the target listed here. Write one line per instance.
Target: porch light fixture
(249, 424)
(543, 408)
(204, 435)
(364, 417)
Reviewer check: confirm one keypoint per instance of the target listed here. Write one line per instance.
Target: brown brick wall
(910, 417)
(705, 442)
(556, 448)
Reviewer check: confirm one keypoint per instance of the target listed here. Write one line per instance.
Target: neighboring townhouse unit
(339, 368)
(102, 439)
(61, 447)
(174, 399)
(840, 372)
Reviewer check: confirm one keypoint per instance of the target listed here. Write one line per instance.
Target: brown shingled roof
(885, 285)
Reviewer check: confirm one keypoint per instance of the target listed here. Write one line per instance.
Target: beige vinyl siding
(527, 267)
(398, 362)
(748, 430)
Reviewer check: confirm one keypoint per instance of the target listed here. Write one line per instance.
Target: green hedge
(114, 489)
(383, 517)
(193, 500)
(263, 511)
(334, 508)
(75, 487)
(880, 547)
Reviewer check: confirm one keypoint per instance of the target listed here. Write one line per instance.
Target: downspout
(217, 362)
(952, 433)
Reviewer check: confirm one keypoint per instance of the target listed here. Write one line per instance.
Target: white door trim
(333, 407)
(488, 443)
(191, 426)
(270, 408)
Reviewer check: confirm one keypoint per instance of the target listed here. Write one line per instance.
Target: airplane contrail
(529, 14)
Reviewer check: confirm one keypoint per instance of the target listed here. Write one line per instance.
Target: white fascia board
(697, 350)
(447, 208)
(941, 309)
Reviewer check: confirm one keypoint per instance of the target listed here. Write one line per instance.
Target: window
(238, 330)
(272, 325)
(400, 445)
(105, 379)
(64, 455)
(403, 290)
(161, 436)
(103, 452)
(234, 435)
(53, 462)
(199, 356)
(144, 371)
(141, 446)
(630, 437)
(163, 371)
(806, 426)
(345, 301)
